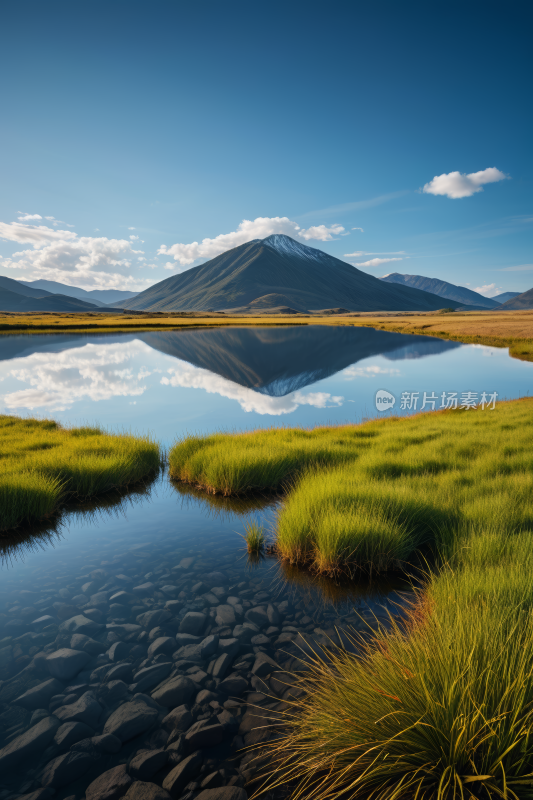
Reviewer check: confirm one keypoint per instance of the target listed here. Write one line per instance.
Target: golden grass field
(512, 329)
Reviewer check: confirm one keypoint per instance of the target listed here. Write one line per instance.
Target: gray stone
(155, 617)
(245, 632)
(130, 719)
(209, 646)
(229, 646)
(174, 606)
(225, 615)
(64, 664)
(273, 615)
(193, 622)
(233, 685)
(146, 763)
(174, 692)
(106, 743)
(221, 666)
(201, 735)
(80, 641)
(70, 733)
(80, 624)
(86, 710)
(114, 691)
(42, 622)
(33, 740)
(144, 588)
(118, 651)
(141, 790)
(177, 779)
(123, 628)
(163, 644)
(39, 794)
(179, 719)
(258, 616)
(205, 696)
(264, 665)
(260, 640)
(223, 793)
(65, 769)
(149, 677)
(110, 785)
(184, 639)
(123, 597)
(121, 672)
(40, 696)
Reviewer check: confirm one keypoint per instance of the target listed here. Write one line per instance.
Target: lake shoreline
(512, 329)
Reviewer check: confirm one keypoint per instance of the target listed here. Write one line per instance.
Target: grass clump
(254, 537)
(369, 496)
(43, 465)
(439, 707)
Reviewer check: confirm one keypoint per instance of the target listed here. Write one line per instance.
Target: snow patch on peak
(288, 246)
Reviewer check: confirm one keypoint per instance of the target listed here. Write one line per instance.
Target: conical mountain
(279, 271)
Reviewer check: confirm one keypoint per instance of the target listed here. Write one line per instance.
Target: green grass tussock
(367, 497)
(254, 537)
(43, 465)
(439, 708)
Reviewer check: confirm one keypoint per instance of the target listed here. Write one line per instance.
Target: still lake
(169, 551)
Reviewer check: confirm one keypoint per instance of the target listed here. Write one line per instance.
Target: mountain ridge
(448, 291)
(305, 277)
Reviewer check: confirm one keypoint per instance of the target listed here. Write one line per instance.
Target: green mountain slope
(305, 277)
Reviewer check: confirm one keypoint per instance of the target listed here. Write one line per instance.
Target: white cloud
(258, 228)
(133, 238)
(489, 290)
(379, 253)
(368, 372)
(457, 184)
(88, 262)
(376, 262)
(37, 235)
(27, 217)
(358, 229)
(132, 228)
(519, 268)
(186, 375)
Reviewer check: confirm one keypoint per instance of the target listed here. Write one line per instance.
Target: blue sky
(175, 121)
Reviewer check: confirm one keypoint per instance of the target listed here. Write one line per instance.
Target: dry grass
(513, 329)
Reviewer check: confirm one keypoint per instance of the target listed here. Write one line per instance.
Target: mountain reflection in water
(278, 361)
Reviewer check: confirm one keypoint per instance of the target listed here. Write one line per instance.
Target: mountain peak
(288, 246)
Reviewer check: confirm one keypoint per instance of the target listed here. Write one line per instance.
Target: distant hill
(278, 272)
(503, 298)
(522, 301)
(18, 287)
(99, 297)
(12, 301)
(449, 291)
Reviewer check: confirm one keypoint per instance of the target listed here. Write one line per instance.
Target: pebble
(145, 683)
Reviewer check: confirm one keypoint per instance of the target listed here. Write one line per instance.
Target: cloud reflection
(188, 376)
(94, 372)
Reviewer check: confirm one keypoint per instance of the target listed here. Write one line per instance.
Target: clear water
(171, 383)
